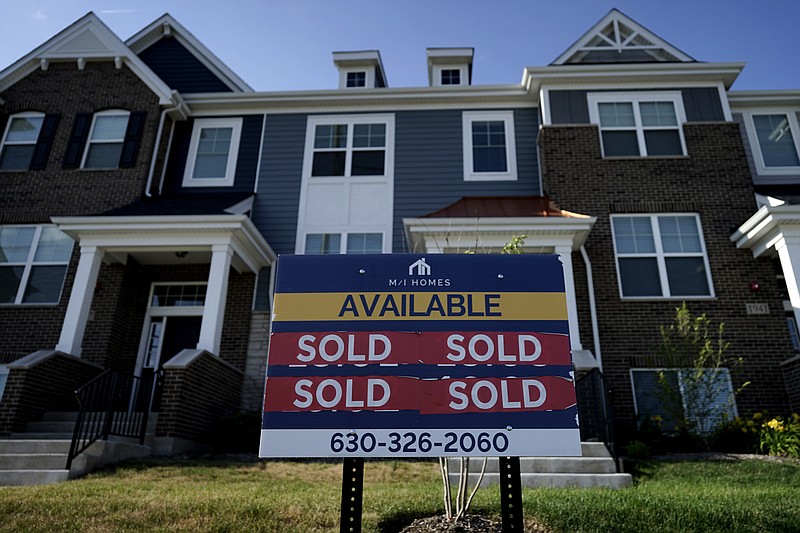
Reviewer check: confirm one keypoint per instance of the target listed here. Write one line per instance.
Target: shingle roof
(196, 204)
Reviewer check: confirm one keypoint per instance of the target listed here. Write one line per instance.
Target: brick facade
(714, 181)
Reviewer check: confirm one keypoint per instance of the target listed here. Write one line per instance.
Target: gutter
(183, 113)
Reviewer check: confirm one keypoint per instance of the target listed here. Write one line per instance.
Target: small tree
(697, 396)
(462, 501)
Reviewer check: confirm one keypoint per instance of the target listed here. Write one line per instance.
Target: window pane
(708, 400)
(489, 159)
(679, 235)
(650, 396)
(776, 141)
(616, 114)
(364, 243)
(109, 127)
(15, 243)
(451, 77)
(24, 129)
(53, 246)
(687, 276)
(620, 143)
(658, 114)
(103, 155)
(633, 235)
(639, 276)
(328, 164)
(330, 136)
(210, 166)
(323, 243)
(369, 135)
(663, 142)
(356, 79)
(16, 157)
(10, 278)
(368, 163)
(44, 284)
(793, 333)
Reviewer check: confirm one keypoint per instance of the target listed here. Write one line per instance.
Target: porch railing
(595, 411)
(112, 404)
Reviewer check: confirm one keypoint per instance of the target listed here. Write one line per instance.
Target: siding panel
(180, 69)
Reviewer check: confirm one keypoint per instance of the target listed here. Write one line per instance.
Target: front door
(173, 324)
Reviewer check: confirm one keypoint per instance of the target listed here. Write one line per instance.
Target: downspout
(592, 308)
(179, 106)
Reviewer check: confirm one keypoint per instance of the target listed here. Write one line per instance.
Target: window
(793, 333)
(489, 148)
(212, 153)
(775, 140)
(19, 141)
(357, 78)
(106, 139)
(707, 401)
(451, 76)
(33, 263)
(639, 124)
(355, 243)
(661, 256)
(354, 149)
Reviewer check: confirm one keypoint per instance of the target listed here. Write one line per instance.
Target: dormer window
(213, 150)
(357, 78)
(451, 76)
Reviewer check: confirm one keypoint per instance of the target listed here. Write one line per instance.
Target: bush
(740, 435)
(781, 436)
(237, 433)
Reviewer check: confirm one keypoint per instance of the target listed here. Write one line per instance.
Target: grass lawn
(207, 495)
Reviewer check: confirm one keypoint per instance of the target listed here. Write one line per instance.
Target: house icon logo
(421, 267)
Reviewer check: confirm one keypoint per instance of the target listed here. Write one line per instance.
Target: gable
(617, 38)
(180, 69)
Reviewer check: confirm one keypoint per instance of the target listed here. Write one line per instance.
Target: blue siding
(246, 162)
(180, 69)
(429, 168)
(278, 198)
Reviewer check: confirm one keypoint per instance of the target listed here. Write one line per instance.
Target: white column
(572, 303)
(789, 253)
(80, 300)
(216, 296)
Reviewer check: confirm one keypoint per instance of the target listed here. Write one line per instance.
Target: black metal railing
(112, 404)
(595, 411)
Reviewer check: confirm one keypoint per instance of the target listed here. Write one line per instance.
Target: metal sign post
(352, 495)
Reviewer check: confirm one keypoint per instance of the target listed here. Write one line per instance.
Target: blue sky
(286, 44)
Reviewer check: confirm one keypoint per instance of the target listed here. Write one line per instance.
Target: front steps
(595, 468)
(39, 454)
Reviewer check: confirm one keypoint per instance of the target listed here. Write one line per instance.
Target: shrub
(781, 436)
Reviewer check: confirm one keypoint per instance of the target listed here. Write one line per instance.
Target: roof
(166, 26)
(194, 204)
(86, 39)
(502, 206)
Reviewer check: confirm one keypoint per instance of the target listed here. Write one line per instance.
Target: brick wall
(256, 367)
(35, 196)
(713, 181)
(48, 385)
(196, 396)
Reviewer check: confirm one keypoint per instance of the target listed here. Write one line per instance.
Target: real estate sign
(408, 356)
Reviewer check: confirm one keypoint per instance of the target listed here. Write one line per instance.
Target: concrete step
(32, 461)
(18, 446)
(32, 477)
(594, 449)
(49, 426)
(41, 435)
(552, 480)
(544, 465)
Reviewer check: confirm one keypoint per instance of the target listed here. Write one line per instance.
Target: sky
(277, 45)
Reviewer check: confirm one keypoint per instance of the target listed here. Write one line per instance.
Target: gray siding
(702, 104)
(429, 168)
(278, 197)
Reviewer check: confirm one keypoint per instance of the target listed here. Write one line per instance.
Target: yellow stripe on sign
(420, 306)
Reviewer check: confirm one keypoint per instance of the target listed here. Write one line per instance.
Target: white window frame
(90, 142)
(507, 117)
(343, 226)
(369, 77)
(724, 372)
(755, 146)
(30, 263)
(343, 239)
(636, 98)
(235, 123)
(437, 75)
(5, 142)
(661, 256)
